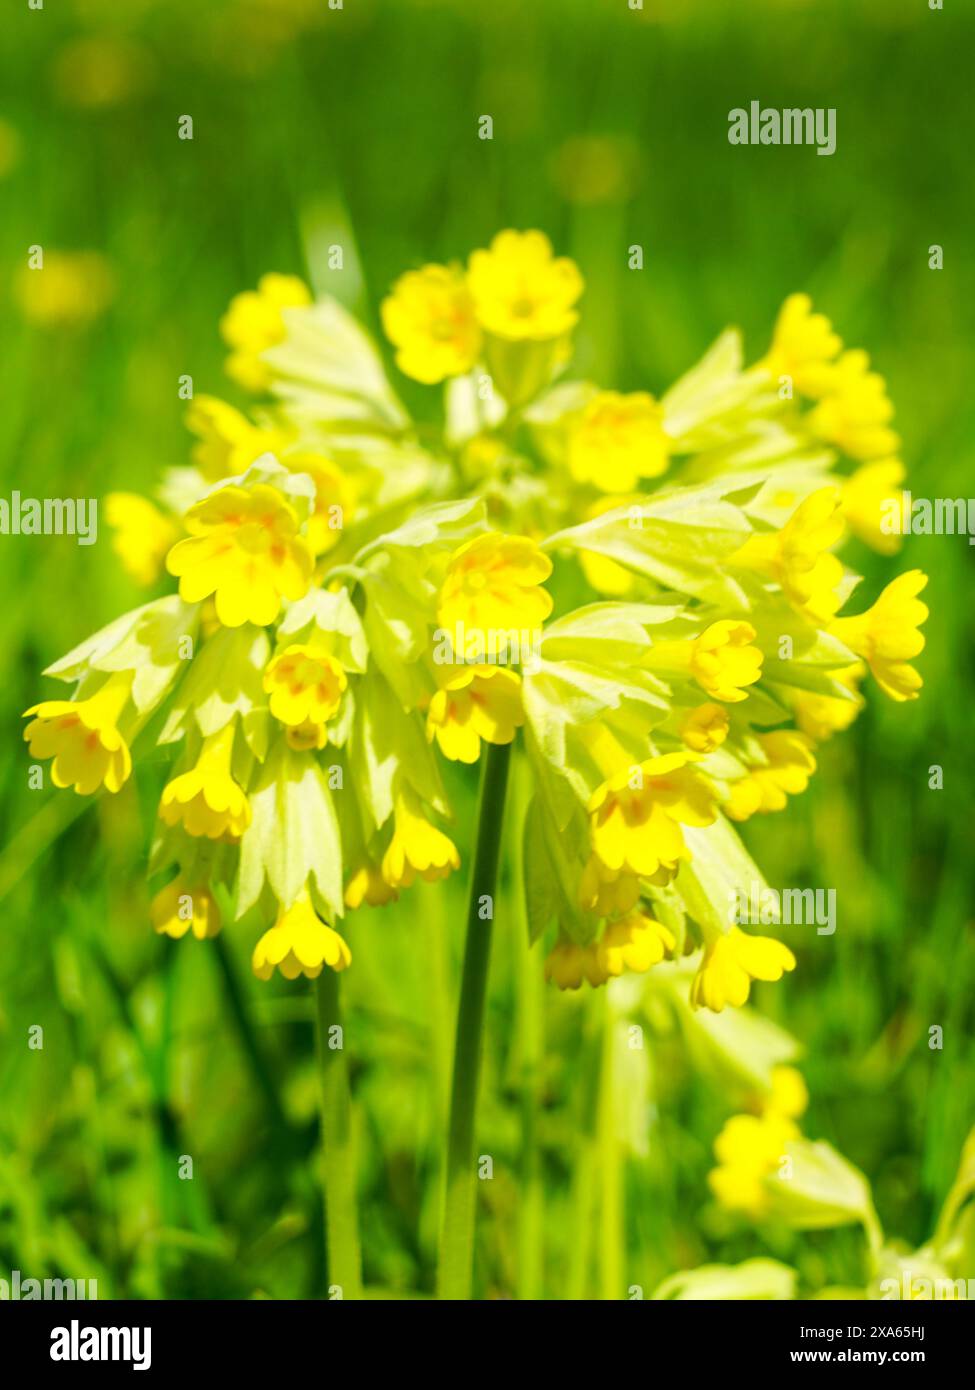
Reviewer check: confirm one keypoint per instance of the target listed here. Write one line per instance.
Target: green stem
(455, 1272)
(341, 1227)
(611, 1227)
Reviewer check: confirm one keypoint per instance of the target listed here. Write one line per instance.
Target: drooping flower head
(731, 962)
(228, 442)
(804, 347)
(871, 497)
(636, 816)
(83, 739)
(181, 906)
(143, 535)
(856, 411)
(492, 593)
(798, 558)
(723, 660)
(300, 943)
(254, 322)
(618, 440)
(887, 635)
(474, 703)
(521, 291)
(789, 764)
(634, 942)
(207, 801)
(304, 685)
(429, 318)
(417, 847)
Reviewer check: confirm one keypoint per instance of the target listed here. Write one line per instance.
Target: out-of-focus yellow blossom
(367, 885)
(179, 906)
(522, 292)
(244, 548)
(229, 442)
(856, 412)
(474, 703)
(887, 635)
(417, 847)
(254, 322)
(9, 148)
(721, 660)
(304, 684)
(206, 801)
(143, 535)
(618, 440)
(729, 965)
(635, 942)
(605, 891)
(767, 787)
(705, 728)
(300, 943)
(789, 1095)
(798, 557)
(820, 716)
(83, 738)
(71, 290)
(567, 965)
(750, 1148)
(335, 499)
(804, 347)
(429, 318)
(867, 498)
(491, 589)
(636, 816)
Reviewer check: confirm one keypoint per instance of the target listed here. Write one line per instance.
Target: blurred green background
(359, 126)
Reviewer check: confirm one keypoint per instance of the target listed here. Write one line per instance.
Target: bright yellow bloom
(618, 440)
(305, 685)
(606, 892)
(868, 497)
(803, 347)
(798, 557)
(789, 1095)
(143, 535)
(367, 885)
(567, 965)
(705, 728)
(206, 801)
(887, 635)
(474, 703)
(731, 963)
(417, 847)
(335, 499)
(229, 442)
(749, 1151)
(635, 942)
(254, 322)
(178, 907)
(244, 548)
(520, 291)
(429, 318)
(83, 739)
(299, 943)
(636, 816)
(71, 290)
(856, 412)
(820, 716)
(492, 592)
(766, 787)
(723, 661)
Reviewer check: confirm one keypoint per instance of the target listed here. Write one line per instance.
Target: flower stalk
(341, 1224)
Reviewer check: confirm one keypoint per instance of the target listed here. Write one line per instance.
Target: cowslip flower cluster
(609, 580)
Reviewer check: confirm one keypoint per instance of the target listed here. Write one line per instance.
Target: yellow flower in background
(143, 535)
(334, 499)
(798, 558)
(867, 498)
(723, 661)
(618, 440)
(606, 891)
(474, 703)
(417, 847)
(636, 816)
(492, 590)
(749, 1150)
(300, 943)
(635, 942)
(244, 548)
(731, 963)
(83, 738)
(789, 1095)
(705, 728)
(567, 965)
(207, 801)
(71, 289)
(804, 347)
(887, 635)
(429, 319)
(180, 907)
(305, 686)
(367, 885)
(254, 322)
(520, 291)
(229, 442)
(820, 716)
(856, 412)
(767, 787)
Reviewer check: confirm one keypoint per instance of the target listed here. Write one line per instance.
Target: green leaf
(225, 678)
(766, 1279)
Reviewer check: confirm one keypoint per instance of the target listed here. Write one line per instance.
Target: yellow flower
(803, 347)
(429, 319)
(244, 548)
(636, 816)
(731, 963)
(307, 735)
(178, 907)
(635, 942)
(299, 943)
(856, 412)
(520, 291)
(870, 495)
(567, 965)
(229, 443)
(820, 716)
(798, 557)
(206, 801)
(887, 635)
(417, 847)
(474, 703)
(82, 738)
(491, 591)
(143, 535)
(766, 787)
(705, 728)
(606, 892)
(305, 685)
(334, 499)
(722, 660)
(618, 440)
(254, 322)
(605, 575)
(749, 1150)
(789, 1095)
(367, 885)
(72, 289)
